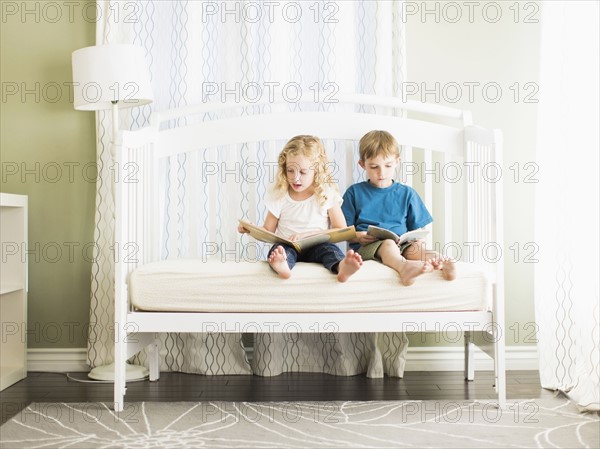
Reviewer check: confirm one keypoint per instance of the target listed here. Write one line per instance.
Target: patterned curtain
(566, 286)
(241, 51)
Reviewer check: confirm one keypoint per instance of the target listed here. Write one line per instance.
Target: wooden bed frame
(425, 132)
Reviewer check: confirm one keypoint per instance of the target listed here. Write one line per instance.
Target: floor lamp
(113, 77)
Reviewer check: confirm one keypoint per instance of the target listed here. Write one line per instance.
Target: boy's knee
(386, 247)
(388, 244)
(414, 249)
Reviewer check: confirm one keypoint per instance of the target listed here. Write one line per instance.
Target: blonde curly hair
(312, 148)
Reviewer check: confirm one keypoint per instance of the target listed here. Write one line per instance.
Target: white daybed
(455, 167)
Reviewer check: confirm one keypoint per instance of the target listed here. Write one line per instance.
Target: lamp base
(107, 372)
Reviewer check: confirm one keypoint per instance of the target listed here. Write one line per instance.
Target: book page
(381, 233)
(413, 235)
(260, 233)
(329, 235)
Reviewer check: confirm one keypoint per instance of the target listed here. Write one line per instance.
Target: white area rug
(532, 423)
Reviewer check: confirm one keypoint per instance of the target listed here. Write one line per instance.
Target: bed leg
(153, 360)
(469, 357)
(500, 369)
(119, 386)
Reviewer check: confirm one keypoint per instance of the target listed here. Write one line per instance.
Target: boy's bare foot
(349, 265)
(278, 261)
(446, 266)
(411, 269)
(448, 269)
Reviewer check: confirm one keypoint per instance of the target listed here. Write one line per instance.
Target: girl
(303, 202)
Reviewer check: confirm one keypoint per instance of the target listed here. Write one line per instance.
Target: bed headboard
(187, 178)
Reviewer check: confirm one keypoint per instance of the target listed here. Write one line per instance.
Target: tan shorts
(369, 252)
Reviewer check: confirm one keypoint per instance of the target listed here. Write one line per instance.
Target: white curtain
(566, 285)
(247, 50)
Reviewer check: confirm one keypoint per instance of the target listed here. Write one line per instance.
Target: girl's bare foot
(349, 265)
(446, 266)
(411, 269)
(278, 261)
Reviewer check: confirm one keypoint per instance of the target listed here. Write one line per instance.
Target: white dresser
(13, 289)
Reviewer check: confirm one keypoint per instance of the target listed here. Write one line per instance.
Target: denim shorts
(327, 254)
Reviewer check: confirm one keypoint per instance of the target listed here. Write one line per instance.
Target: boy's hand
(242, 230)
(363, 238)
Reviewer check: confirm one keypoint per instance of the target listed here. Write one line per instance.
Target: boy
(383, 202)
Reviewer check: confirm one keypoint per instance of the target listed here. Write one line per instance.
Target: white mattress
(189, 285)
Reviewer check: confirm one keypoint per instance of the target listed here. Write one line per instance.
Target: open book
(329, 235)
(383, 234)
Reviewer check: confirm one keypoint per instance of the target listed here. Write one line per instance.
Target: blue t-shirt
(397, 208)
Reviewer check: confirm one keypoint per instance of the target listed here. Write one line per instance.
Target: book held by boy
(383, 234)
(327, 236)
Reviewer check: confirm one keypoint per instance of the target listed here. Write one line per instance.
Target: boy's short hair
(376, 143)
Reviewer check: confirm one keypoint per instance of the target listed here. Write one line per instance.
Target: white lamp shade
(104, 74)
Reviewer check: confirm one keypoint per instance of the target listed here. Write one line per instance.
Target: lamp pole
(104, 67)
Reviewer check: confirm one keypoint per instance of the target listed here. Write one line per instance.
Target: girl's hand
(242, 230)
(363, 238)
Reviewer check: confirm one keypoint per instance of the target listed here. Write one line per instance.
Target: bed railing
(454, 166)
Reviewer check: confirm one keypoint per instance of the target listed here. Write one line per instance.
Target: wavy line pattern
(182, 41)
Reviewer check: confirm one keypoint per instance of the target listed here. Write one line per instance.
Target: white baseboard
(452, 359)
(418, 359)
(59, 360)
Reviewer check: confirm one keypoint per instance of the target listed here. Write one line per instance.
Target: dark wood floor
(416, 385)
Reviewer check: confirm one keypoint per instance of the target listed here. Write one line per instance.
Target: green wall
(45, 146)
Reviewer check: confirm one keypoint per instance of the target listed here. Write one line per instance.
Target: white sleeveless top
(296, 217)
